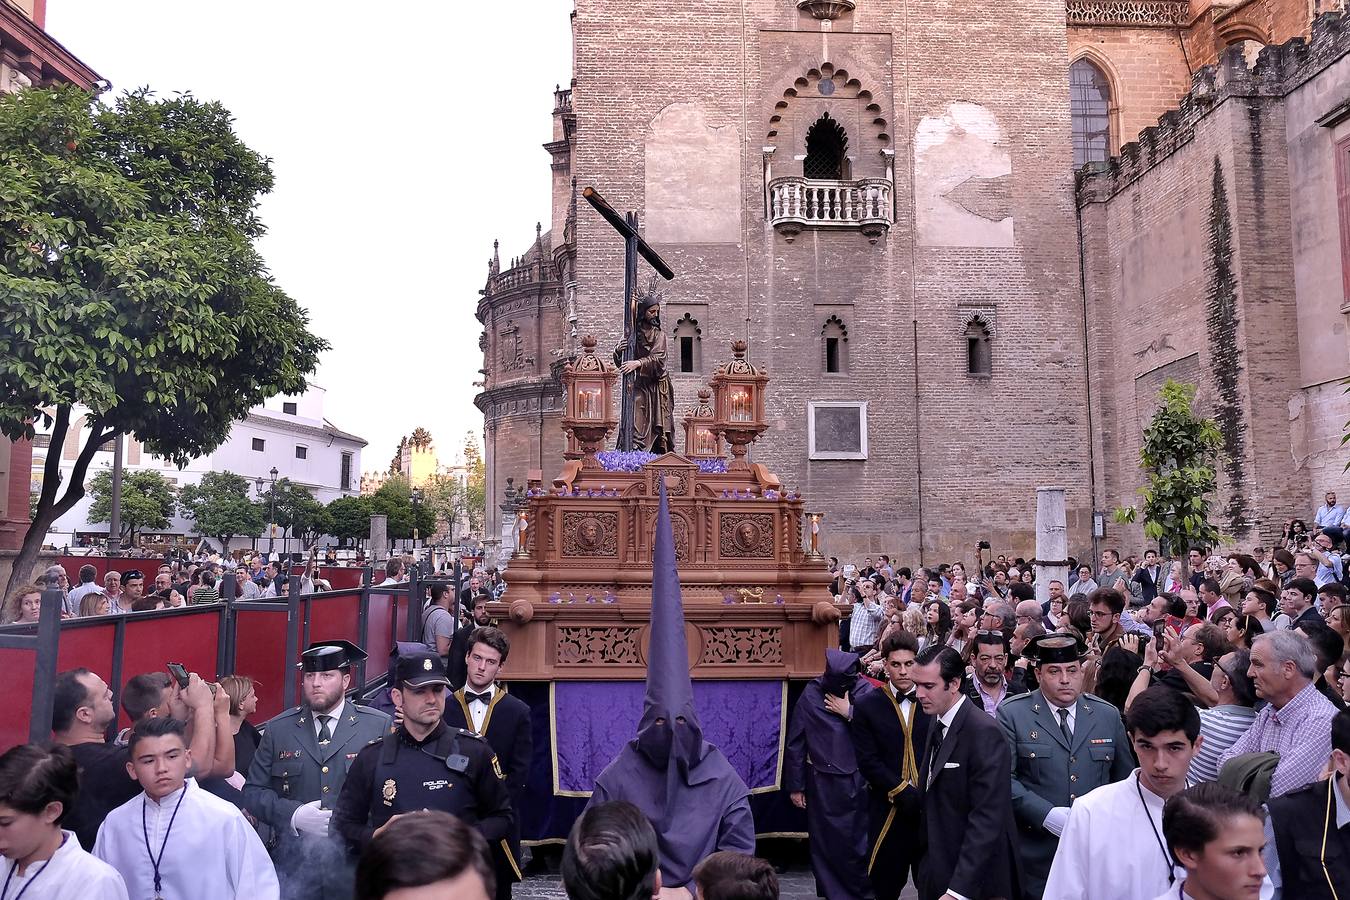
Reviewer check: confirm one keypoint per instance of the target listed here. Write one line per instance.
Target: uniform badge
(497, 768)
(390, 792)
(426, 664)
(1033, 735)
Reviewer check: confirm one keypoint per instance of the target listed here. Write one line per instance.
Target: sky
(404, 138)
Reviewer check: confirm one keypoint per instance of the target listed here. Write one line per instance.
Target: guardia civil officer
(423, 764)
(1065, 743)
(299, 768)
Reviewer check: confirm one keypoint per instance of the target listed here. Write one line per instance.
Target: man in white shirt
(1330, 514)
(1112, 846)
(176, 840)
(46, 862)
(88, 585)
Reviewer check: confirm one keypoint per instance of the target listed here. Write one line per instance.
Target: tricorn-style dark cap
(324, 656)
(419, 669)
(1056, 647)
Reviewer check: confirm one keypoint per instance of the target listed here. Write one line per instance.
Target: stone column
(379, 540)
(1052, 540)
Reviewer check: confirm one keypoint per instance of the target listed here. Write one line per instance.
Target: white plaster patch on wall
(963, 179)
(693, 183)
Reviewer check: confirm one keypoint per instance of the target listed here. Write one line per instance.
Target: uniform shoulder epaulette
(288, 713)
(373, 741)
(1016, 698)
(1093, 698)
(464, 732)
(369, 711)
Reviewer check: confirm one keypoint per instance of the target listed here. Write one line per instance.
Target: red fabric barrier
(260, 653)
(189, 638)
(334, 618)
(89, 646)
(382, 636)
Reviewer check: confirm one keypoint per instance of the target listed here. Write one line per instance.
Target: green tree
(1180, 454)
(294, 508)
(349, 519)
(394, 501)
(220, 508)
(475, 483)
(147, 501)
(132, 297)
(448, 499)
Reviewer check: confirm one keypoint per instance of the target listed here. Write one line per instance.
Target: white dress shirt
(335, 712)
(478, 709)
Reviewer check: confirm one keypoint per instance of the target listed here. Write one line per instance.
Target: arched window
(979, 354)
(826, 144)
(834, 346)
(1090, 111)
(688, 351)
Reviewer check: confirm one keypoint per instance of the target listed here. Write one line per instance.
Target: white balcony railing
(796, 203)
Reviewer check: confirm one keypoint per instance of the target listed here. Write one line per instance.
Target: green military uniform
(292, 767)
(1050, 769)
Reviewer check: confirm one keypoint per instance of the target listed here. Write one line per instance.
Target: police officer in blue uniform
(423, 764)
(1065, 743)
(299, 769)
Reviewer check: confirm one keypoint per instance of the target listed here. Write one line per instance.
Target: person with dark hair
(821, 776)
(695, 800)
(889, 732)
(1065, 744)
(611, 854)
(456, 662)
(736, 876)
(88, 585)
(1105, 606)
(438, 620)
(1296, 602)
(432, 850)
(1260, 602)
(484, 707)
(1230, 695)
(38, 786)
(1308, 832)
(82, 713)
(1243, 630)
(176, 839)
(966, 843)
(1296, 722)
(937, 618)
(204, 713)
(1328, 647)
(1126, 816)
(994, 681)
(1216, 834)
(301, 765)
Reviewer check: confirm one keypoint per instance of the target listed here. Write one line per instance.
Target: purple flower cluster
(624, 460)
(717, 466)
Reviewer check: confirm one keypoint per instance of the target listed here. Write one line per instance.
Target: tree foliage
(448, 499)
(219, 506)
(1180, 454)
(349, 518)
(129, 281)
(475, 483)
(292, 507)
(147, 501)
(394, 501)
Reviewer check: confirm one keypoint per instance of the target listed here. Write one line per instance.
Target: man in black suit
(1150, 576)
(485, 708)
(966, 840)
(889, 732)
(455, 665)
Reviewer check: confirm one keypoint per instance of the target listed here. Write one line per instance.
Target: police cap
(1056, 647)
(421, 668)
(324, 656)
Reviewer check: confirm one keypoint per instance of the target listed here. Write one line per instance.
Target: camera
(983, 545)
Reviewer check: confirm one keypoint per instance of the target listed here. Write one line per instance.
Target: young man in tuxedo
(484, 707)
(966, 839)
(889, 731)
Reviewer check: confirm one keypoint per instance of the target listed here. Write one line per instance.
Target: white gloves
(1056, 819)
(309, 819)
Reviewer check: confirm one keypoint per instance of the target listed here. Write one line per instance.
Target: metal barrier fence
(259, 638)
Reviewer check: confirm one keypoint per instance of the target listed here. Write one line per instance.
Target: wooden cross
(634, 245)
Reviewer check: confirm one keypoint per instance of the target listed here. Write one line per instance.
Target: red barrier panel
(334, 618)
(88, 645)
(382, 636)
(190, 638)
(260, 653)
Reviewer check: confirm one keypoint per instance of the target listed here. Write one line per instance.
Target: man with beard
(82, 712)
(653, 392)
(1065, 743)
(820, 773)
(687, 789)
(889, 730)
(456, 659)
(991, 684)
(300, 766)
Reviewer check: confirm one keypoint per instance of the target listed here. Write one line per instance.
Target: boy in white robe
(43, 861)
(176, 841)
(1217, 834)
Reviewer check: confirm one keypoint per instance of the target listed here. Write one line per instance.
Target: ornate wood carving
(728, 646)
(590, 534)
(745, 536)
(592, 646)
(677, 479)
(680, 526)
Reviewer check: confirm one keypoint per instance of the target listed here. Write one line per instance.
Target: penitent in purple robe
(695, 800)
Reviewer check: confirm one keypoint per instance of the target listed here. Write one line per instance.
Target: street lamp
(416, 505)
(271, 506)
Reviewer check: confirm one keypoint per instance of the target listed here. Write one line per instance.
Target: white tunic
(212, 852)
(1109, 850)
(71, 872)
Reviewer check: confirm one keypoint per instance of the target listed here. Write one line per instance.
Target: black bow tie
(912, 697)
(484, 697)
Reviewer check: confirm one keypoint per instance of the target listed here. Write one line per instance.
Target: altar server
(484, 707)
(44, 861)
(175, 841)
(694, 799)
(1112, 847)
(820, 773)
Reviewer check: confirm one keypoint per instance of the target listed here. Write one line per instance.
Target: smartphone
(1158, 629)
(179, 673)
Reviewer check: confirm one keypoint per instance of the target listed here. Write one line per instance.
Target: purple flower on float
(727, 599)
(778, 599)
(555, 597)
(712, 466)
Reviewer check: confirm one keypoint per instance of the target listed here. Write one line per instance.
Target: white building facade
(288, 433)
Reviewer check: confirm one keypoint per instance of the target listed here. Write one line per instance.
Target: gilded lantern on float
(738, 404)
(701, 440)
(588, 385)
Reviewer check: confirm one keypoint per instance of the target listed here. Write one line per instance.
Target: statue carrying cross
(646, 419)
